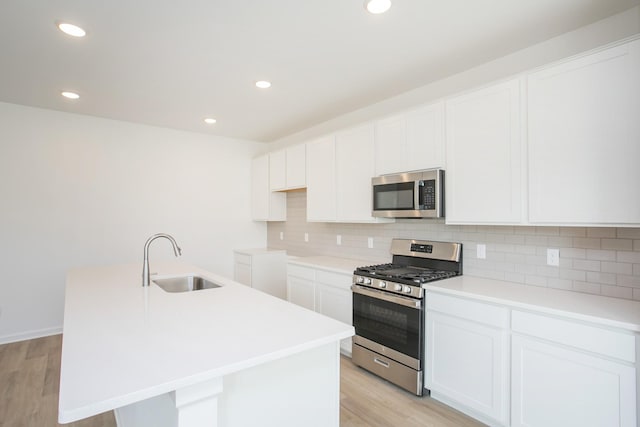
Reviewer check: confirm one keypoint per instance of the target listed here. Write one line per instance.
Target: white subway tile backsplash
(601, 232)
(628, 233)
(586, 242)
(596, 260)
(617, 244)
(586, 265)
(604, 278)
(601, 255)
(616, 267)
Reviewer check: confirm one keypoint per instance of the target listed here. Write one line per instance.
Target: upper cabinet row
(556, 146)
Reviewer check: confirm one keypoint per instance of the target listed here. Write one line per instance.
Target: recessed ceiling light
(72, 30)
(210, 121)
(377, 6)
(70, 95)
(263, 84)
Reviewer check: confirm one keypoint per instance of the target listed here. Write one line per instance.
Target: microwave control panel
(428, 194)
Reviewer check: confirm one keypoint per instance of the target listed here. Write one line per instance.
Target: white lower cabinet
(262, 269)
(325, 292)
(556, 386)
(508, 367)
(467, 359)
(566, 373)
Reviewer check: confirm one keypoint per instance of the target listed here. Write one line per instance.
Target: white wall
(78, 191)
(600, 33)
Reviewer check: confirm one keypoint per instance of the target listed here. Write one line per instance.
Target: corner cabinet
(584, 139)
(484, 181)
(326, 292)
(265, 204)
(262, 269)
(467, 355)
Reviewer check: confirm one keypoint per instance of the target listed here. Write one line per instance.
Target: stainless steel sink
(185, 284)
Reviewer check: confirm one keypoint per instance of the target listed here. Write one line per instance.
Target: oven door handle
(404, 301)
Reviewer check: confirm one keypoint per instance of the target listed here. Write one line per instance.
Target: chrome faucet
(145, 264)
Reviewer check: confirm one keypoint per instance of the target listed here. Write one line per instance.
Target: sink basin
(185, 284)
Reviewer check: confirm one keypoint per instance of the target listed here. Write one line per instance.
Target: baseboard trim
(29, 335)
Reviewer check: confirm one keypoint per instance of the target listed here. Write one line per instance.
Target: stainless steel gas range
(388, 309)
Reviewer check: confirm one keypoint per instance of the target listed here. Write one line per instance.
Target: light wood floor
(30, 377)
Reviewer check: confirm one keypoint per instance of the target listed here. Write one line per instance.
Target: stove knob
(382, 284)
(397, 287)
(359, 279)
(367, 281)
(406, 289)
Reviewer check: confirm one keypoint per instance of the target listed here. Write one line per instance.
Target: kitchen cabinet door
(336, 303)
(555, 386)
(425, 137)
(265, 204)
(391, 145)
(321, 180)
(467, 363)
(277, 170)
(296, 166)
(354, 170)
(410, 141)
(301, 292)
(484, 182)
(584, 139)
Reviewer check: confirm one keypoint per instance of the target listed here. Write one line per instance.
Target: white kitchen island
(229, 356)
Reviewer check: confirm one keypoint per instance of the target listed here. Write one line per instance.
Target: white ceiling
(171, 63)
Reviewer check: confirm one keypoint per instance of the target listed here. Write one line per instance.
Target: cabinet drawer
(574, 334)
(302, 272)
(336, 280)
(242, 258)
(471, 310)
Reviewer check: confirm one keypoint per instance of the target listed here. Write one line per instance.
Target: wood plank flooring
(30, 378)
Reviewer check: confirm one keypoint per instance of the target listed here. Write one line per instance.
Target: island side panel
(299, 390)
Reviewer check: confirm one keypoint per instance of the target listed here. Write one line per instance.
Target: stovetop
(403, 274)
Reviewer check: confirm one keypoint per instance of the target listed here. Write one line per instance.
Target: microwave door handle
(416, 193)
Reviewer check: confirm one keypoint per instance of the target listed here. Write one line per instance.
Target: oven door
(389, 320)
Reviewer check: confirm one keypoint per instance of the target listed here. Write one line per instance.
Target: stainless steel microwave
(418, 194)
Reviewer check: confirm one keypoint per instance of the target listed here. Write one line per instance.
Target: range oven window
(394, 196)
(391, 325)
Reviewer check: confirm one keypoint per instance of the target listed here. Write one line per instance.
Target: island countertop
(123, 343)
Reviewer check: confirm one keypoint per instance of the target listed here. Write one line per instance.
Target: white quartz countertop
(123, 343)
(336, 264)
(606, 311)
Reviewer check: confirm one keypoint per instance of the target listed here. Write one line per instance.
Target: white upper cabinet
(584, 139)
(296, 166)
(484, 156)
(277, 170)
(321, 179)
(410, 141)
(354, 170)
(265, 204)
(287, 168)
(339, 172)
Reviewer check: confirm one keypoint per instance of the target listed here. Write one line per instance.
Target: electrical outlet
(338, 240)
(370, 242)
(282, 235)
(306, 237)
(553, 257)
(481, 251)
